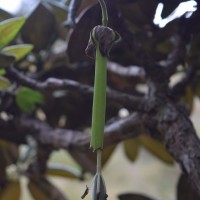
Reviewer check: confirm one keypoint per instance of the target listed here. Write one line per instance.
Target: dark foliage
(46, 94)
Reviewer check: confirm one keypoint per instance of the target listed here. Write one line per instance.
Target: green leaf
(4, 83)
(63, 171)
(27, 99)
(36, 191)
(2, 72)
(19, 51)
(40, 27)
(156, 148)
(106, 154)
(11, 191)
(9, 29)
(6, 59)
(4, 15)
(131, 148)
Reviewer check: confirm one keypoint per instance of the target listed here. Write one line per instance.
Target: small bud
(104, 37)
(99, 188)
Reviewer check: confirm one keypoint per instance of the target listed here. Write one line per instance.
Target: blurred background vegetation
(45, 40)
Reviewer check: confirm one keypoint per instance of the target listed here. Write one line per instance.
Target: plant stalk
(99, 101)
(104, 12)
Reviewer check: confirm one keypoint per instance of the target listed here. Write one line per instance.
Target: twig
(17, 130)
(72, 10)
(53, 84)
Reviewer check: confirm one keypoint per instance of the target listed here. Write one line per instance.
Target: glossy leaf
(60, 12)
(188, 98)
(19, 51)
(63, 171)
(137, 12)
(4, 83)
(86, 3)
(9, 29)
(3, 166)
(37, 192)
(43, 189)
(87, 159)
(148, 11)
(4, 15)
(164, 47)
(196, 85)
(27, 99)
(130, 196)
(156, 148)
(79, 37)
(131, 148)
(40, 27)
(127, 1)
(6, 59)
(185, 190)
(10, 150)
(107, 152)
(194, 50)
(2, 72)
(11, 191)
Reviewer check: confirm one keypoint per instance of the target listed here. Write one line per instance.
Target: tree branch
(179, 136)
(178, 90)
(127, 72)
(17, 130)
(52, 84)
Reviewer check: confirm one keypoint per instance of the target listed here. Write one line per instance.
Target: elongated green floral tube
(99, 101)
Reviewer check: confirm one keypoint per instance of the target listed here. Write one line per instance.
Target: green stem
(99, 101)
(104, 13)
(99, 155)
